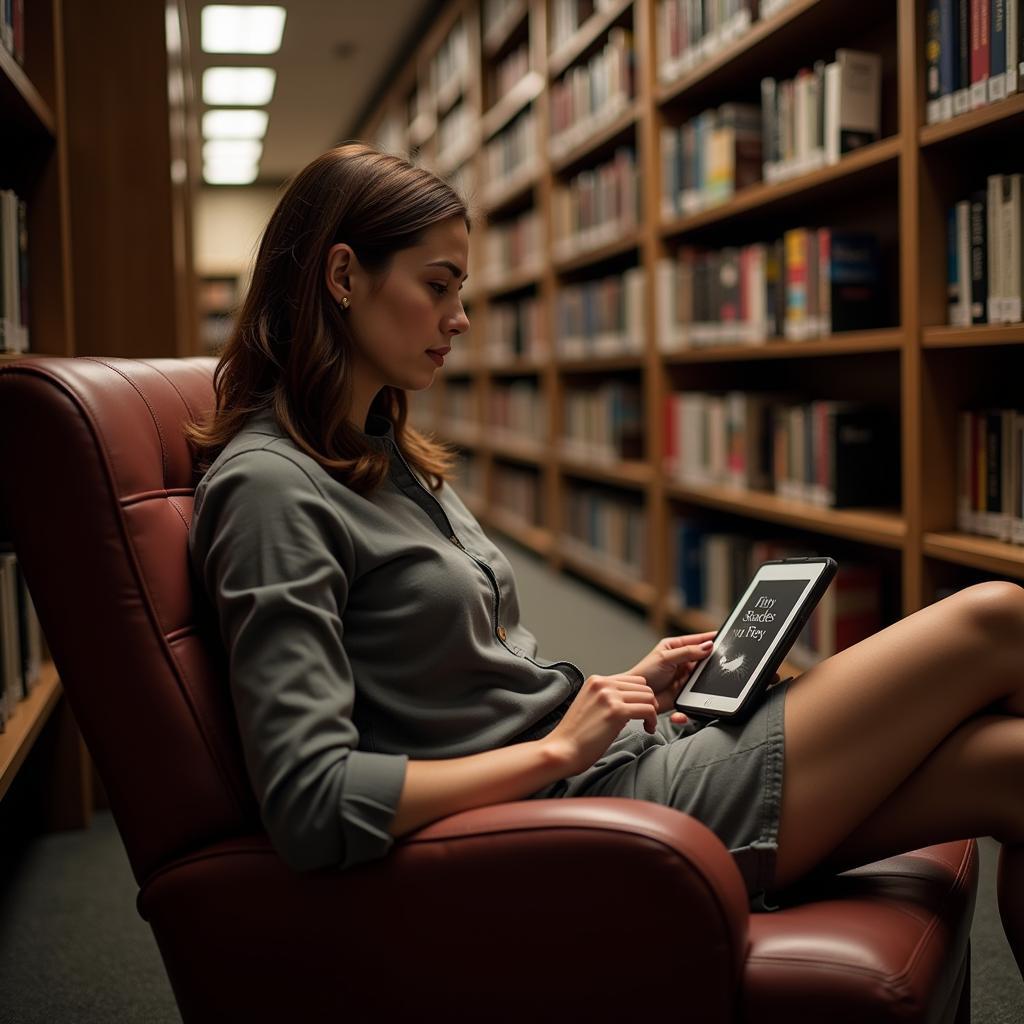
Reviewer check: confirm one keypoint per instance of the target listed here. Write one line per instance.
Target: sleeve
(276, 560)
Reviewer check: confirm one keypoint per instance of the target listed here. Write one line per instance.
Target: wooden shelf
(21, 105)
(966, 337)
(506, 447)
(534, 537)
(512, 280)
(889, 340)
(620, 126)
(981, 553)
(629, 241)
(517, 368)
(498, 35)
(24, 726)
(880, 527)
(520, 96)
(602, 364)
(622, 474)
(587, 34)
(1006, 114)
(636, 591)
(497, 195)
(730, 58)
(870, 158)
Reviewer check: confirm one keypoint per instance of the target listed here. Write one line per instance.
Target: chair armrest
(492, 913)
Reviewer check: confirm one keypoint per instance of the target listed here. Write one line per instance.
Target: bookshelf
(108, 256)
(922, 368)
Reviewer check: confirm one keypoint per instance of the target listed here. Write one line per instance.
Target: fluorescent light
(229, 174)
(238, 87)
(246, 151)
(235, 124)
(230, 29)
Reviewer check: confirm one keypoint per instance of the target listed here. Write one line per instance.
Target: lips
(438, 354)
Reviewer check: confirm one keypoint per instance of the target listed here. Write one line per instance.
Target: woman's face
(404, 328)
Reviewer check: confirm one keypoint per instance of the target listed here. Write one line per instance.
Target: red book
(979, 40)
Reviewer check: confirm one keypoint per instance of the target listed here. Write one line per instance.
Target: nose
(459, 323)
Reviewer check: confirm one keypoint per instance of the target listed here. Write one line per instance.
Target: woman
(379, 670)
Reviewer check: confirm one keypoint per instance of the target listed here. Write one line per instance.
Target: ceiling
(335, 58)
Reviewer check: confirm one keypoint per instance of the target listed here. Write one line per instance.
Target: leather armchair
(589, 909)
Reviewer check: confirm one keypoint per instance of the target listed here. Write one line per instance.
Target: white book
(1012, 47)
(832, 82)
(665, 302)
(994, 228)
(856, 114)
(1012, 236)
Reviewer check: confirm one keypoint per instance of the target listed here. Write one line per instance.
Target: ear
(338, 268)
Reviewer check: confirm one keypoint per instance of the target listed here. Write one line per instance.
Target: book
(854, 115)
(980, 44)
(979, 257)
(932, 50)
(853, 274)
(997, 50)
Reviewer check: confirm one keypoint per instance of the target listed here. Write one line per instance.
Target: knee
(996, 609)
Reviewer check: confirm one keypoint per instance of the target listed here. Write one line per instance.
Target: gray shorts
(726, 775)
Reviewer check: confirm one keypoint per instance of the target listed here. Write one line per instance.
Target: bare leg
(861, 723)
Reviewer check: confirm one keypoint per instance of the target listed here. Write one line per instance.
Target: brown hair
(291, 348)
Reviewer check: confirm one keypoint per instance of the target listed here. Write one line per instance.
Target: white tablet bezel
(711, 702)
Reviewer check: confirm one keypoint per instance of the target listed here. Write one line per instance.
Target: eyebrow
(456, 270)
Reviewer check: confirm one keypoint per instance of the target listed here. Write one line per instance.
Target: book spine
(979, 258)
(952, 270)
(962, 96)
(932, 51)
(993, 231)
(1012, 262)
(997, 50)
(979, 52)
(1012, 46)
(963, 248)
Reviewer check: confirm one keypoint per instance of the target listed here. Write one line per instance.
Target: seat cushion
(885, 942)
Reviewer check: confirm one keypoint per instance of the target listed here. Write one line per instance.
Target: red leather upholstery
(574, 909)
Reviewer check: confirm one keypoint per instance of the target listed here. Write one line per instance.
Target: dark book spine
(865, 457)
(979, 257)
(963, 38)
(854, 284)
(948, 47)
(932, 49)
(993, 462)
(997, 37)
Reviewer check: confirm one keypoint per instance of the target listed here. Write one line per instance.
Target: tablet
(756, 637)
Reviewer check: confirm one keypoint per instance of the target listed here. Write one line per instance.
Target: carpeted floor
(73, 949)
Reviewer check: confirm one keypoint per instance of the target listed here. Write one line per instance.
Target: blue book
(997, 50)
(949, 47)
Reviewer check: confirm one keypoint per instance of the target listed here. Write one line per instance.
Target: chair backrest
(96, 485)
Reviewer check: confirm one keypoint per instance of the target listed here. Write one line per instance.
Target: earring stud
(344, 302)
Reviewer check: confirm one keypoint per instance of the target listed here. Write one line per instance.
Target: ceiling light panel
(238, 87)
(235, 124)
(229, 174)
(238, 150)
(231, 29)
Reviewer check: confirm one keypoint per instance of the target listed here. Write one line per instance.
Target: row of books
(12, 28)
(711, 570)
(450, 65)
(689, 32)
(459, 403)
(515, 409)
(13, 273)
(516, 330)
(513, 244)
(810, 283)
(512, 148)
(974, 54)
(605, 423)
(801, 124)
(511, 69)
(597, 205)
(591, 94)
(985, 254)
(469, 478)
(990, 447)
(826, 453)
(606, 530)
(517, 492)
(569, 16)
(828, 110)
(601, 317)
(21, 642)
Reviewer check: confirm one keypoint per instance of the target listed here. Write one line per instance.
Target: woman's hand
(598, 714)
(670, 664)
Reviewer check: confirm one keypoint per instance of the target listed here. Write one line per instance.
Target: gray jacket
(361, 631)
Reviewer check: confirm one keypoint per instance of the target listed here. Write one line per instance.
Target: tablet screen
(748, 637)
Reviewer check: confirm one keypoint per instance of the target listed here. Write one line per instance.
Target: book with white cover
(853, 102)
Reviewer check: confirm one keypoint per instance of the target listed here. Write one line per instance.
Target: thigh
(859, 724)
